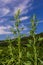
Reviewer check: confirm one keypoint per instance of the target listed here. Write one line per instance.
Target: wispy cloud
(10, 7)
(4, 32)
(40, 21)
(3, 20)
(23, 6)
(24, 18)
(4, 11)
(15, 5)
(6, 1)
(3, 28)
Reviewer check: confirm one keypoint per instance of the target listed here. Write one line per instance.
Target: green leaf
(29, 54)
(27, 63)
(17, 14)
(40, 60)
(28, 45)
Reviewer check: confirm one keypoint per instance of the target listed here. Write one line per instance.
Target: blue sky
(8, 8)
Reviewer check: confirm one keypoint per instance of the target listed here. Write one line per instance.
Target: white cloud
(6, 1)
(4, 32)
(3, 20)
(15, 4)
(23, 6)
(24, 18)
(18, 5)
(41, 21)
(24, 12)
(4, 11)
(3, 28)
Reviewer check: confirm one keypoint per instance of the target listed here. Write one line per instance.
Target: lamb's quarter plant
(10, 46)
(17, 32)
(32, 32)
(33, 42)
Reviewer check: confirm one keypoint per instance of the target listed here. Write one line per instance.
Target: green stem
(19, 49)
(10, 48)
(35, 52)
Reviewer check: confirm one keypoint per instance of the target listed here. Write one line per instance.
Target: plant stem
(19, 49)
(35, 52)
